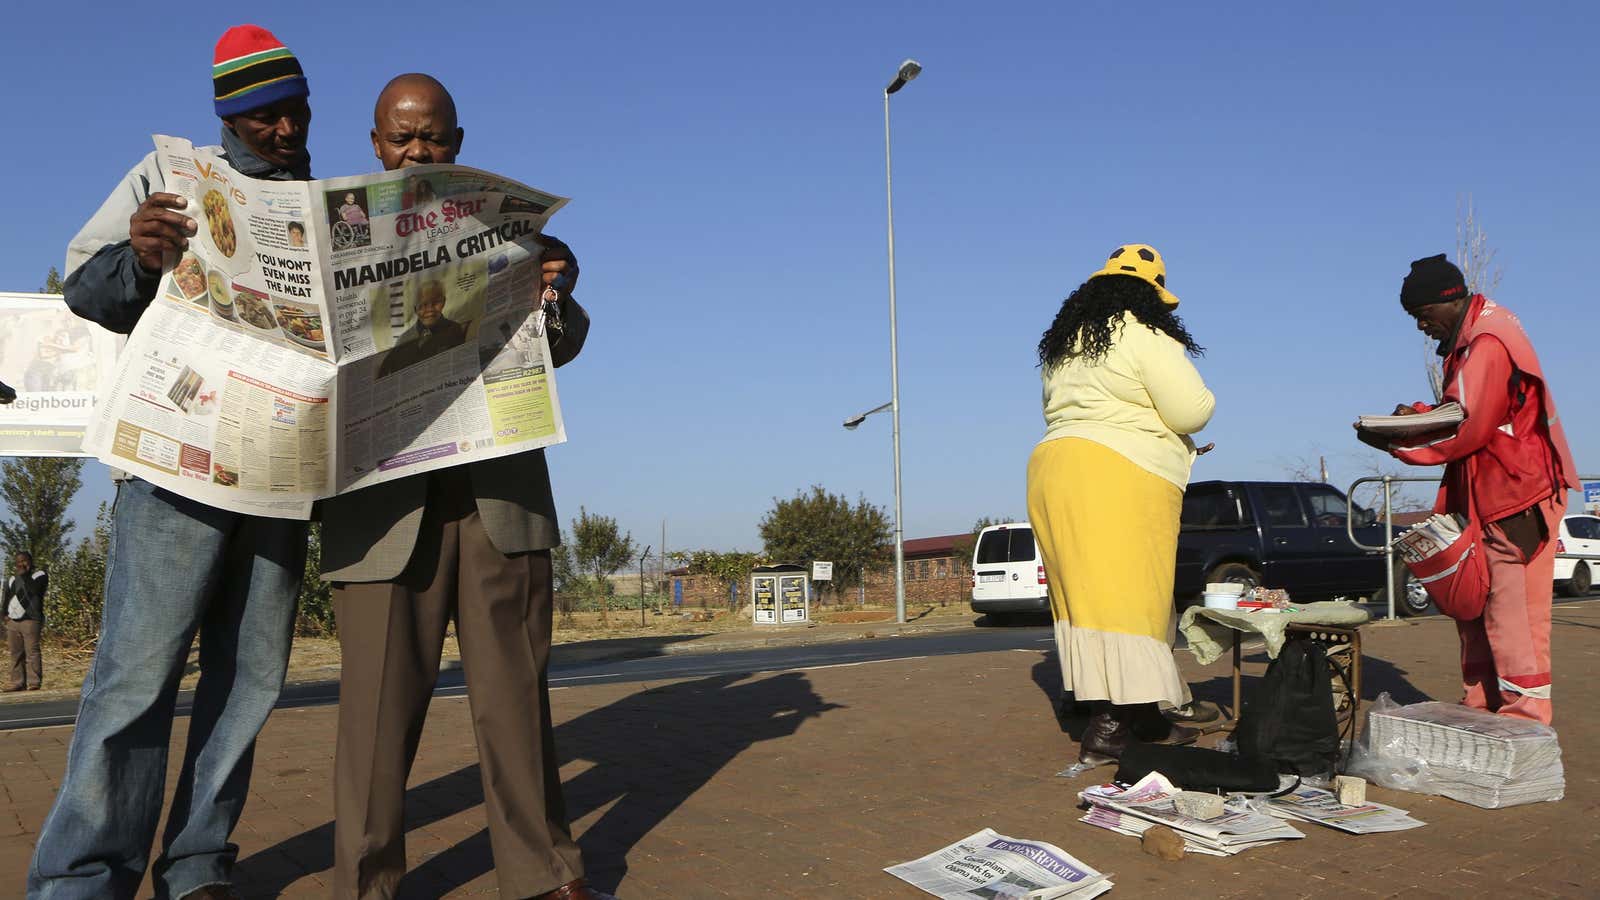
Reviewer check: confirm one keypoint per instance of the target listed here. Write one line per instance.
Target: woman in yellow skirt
(1105, 489)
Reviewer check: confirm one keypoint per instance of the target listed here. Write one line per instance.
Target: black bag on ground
(1198, 769)
(1289, 717)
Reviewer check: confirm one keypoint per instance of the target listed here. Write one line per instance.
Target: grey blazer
(368, 535)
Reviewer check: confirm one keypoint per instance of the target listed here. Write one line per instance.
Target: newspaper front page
(324, 336)
(56, 362)
(990, 865)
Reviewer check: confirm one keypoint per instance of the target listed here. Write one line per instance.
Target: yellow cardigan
(1143, 400)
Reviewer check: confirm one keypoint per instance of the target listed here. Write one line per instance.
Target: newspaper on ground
(991, 865)
(1134, 809)
(319, 337)
(56, 362)
(1322, 807)
(1445, 415)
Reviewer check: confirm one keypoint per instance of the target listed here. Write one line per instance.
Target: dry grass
(315, 659)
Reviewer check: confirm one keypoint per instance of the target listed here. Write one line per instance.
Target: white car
(1578, 554)
(1007, 572)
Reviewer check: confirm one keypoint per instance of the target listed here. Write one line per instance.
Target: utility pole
(642, 557)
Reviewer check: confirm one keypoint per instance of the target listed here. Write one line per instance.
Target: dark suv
(1283, 534)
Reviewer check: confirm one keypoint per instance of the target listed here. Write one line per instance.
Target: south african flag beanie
(251, 69)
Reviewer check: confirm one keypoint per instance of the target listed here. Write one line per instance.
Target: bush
(77, 588)
(315, 616)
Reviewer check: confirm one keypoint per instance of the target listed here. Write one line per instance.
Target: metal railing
(1388, 482)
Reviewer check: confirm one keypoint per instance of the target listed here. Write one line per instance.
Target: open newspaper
(56, 362)
(324, 336)
(1310, 804)
(1135, 809)
(991, 865)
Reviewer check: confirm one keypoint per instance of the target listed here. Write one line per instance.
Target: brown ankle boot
(1106, 736)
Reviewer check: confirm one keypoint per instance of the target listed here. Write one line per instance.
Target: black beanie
(1432, 280)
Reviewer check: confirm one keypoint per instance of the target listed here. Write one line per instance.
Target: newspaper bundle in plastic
(1471, 755)
(325, 336)
(991, 865)
(56, 362)
(1310, 804)
(1135, 809)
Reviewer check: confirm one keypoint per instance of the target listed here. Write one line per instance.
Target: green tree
(315, 616)
(816, 524)
(37, 490)
(77, 586)
(599, 548)
(52, 282)
(731, 569)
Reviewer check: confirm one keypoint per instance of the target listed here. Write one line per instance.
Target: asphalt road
(652, 668)
(655, 667)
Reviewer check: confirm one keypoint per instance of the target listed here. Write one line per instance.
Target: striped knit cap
(254, 69)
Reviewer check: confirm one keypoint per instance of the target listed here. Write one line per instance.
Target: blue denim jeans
(175, 569)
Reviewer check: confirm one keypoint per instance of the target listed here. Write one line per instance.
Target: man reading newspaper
(177, 567)
(470, 544)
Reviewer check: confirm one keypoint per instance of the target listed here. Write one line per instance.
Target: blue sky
(726, 165)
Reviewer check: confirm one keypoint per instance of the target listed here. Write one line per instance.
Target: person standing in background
(23, 599)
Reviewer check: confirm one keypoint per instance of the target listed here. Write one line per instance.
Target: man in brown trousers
(23, 600)
(470, 543)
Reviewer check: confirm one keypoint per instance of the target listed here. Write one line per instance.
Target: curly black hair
(1083, 327)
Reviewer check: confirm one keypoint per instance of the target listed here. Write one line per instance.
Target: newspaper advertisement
(56, 363)
(323, 336)
(991, 865)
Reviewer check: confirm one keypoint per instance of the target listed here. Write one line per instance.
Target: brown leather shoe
(1149, 725)
(8, 689)
(576, 889)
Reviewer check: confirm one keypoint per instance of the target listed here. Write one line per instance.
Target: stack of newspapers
(1473, 756)
(1309, 804)
(1149, 803)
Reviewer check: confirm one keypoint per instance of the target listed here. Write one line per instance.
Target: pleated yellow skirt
(1108, 532)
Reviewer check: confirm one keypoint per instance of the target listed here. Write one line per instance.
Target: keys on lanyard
(549, 315)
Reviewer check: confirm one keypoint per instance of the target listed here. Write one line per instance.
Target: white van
(1007, 571)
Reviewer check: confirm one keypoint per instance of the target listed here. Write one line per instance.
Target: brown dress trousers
(391, 635)
(22, 639)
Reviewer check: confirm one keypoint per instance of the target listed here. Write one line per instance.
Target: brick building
(938, 571)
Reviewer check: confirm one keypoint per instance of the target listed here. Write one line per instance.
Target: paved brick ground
(808, 783)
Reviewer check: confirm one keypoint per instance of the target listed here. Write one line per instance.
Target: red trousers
(1505, 654)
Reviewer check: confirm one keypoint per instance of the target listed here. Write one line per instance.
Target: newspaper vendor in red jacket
(1511, 455)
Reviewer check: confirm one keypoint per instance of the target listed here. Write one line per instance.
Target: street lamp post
(908, 70)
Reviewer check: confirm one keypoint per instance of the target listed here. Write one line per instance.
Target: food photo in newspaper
(324, 336)
(990, 865)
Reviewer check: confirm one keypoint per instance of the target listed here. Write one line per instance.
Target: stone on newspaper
(1198, 805)
(1352, 791)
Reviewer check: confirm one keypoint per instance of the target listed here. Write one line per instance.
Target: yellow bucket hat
(1140, 261)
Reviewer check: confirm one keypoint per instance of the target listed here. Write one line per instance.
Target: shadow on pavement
(648, 753)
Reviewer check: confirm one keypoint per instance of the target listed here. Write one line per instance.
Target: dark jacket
(29, 590)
